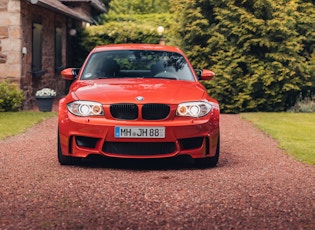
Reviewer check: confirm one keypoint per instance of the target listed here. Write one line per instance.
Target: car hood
(107, 91)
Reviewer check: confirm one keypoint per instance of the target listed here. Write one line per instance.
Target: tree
(261, 50)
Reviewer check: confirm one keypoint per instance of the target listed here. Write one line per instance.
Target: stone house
(36, 38)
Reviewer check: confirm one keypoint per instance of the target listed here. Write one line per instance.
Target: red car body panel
(126, 89)
(81, 136)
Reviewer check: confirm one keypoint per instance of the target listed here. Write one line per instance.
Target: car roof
(137, 47)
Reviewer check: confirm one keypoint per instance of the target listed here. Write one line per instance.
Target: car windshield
(137, 64)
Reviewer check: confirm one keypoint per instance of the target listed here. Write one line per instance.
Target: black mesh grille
(87, 142)
(142, 148)
(149, 111)
(191, 143)
(124, 111)
(155, 111)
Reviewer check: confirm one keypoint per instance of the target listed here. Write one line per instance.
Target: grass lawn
(295, 132)
(12, 123)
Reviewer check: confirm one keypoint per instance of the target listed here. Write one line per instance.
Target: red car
(138, 101)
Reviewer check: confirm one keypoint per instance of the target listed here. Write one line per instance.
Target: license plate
(139, 132)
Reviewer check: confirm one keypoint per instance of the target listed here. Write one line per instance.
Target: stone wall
(16, 21)
(10, 40)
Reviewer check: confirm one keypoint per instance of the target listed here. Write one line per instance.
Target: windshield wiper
(169, 78)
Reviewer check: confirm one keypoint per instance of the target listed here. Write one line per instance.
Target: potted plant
(44, 98)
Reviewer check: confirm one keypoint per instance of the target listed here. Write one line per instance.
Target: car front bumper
(83, 136)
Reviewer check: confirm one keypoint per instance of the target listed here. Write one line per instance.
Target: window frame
(37, 51)
(58, 49)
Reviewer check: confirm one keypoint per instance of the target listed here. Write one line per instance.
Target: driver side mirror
(204, 74)
(70, 73)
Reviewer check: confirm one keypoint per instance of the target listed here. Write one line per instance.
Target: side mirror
(204, 74)
(70, 73)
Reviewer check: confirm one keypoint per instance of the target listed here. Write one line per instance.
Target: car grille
(131, 111)
(139, 148)
(155, 111)
(124, 111)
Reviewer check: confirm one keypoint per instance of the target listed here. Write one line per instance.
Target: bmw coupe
(138, 101)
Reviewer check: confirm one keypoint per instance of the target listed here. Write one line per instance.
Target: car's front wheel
(65, 160)
(209, 161)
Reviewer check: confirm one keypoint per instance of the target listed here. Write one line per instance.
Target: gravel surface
(255, 186)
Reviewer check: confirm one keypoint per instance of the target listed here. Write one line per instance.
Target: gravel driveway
(255, 186)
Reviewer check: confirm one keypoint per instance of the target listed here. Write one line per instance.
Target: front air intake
(191, 143)
(86, 142)
(139, 148)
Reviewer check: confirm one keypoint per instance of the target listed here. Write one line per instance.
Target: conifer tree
(261, 50)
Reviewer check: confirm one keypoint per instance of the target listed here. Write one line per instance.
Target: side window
(58, 50)
(37, 47)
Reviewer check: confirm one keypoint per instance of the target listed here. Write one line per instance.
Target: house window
(58, 50)
(37, 50)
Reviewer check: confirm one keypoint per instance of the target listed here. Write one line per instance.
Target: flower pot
(45, 103)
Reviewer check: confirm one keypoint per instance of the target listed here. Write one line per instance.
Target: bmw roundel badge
(139, 98)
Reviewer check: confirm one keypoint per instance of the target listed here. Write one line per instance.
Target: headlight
(85, 108)
(193, 109)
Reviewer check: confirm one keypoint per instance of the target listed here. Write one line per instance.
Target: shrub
(11, 97)
(306, 105)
